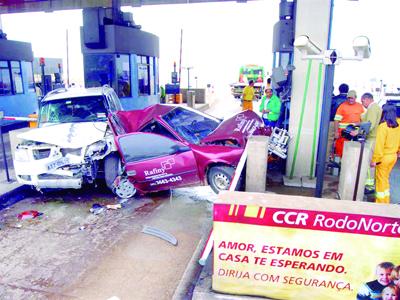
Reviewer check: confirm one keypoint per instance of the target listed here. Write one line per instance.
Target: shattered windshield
(190, 125)
(71, 110)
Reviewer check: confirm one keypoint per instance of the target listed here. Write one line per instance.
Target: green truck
(247, 73)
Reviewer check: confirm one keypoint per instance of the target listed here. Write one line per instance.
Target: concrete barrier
(348, 172)
(257, 160)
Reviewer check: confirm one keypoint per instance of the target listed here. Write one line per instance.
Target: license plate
(57, 163)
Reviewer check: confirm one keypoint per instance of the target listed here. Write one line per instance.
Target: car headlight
(98, 147)
(22, 155)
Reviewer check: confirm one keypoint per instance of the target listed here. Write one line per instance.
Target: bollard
(33, 124)
(349, 167)
(257, 159)
(178, 98)
(190, 98)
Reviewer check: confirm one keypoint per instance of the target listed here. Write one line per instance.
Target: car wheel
(124, 189)
(112, 169)
(220, 178)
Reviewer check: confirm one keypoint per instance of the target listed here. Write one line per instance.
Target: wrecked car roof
(133, 120)
(238, 126)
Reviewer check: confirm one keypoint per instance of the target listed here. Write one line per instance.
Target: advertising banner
(291, 247)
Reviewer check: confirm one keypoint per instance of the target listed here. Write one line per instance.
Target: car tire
(112, 169)
(220, 178)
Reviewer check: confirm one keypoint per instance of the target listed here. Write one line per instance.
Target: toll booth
(48, 74)
(17, 87)
(118, 53)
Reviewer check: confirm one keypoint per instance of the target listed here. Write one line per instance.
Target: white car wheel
(125, 189)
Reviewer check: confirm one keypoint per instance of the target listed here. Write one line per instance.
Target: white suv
(73, 138)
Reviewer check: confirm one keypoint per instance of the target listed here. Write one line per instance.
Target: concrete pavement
(69, 253)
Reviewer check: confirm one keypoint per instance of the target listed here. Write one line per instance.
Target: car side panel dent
(214, 155)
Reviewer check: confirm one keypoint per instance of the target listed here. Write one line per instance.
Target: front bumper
(49, 167)
(58, 183)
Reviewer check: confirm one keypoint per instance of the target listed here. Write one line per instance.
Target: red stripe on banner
(313, 220)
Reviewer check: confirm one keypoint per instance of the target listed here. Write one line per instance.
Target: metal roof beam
(18, 6)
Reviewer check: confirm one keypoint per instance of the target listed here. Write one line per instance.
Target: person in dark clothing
(339, 99)
(373, 289)
(336, 101)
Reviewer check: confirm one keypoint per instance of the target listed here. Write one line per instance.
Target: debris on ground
(161, 234)
(97, 209)
(123, 200)
(29, 214)
(114, 206)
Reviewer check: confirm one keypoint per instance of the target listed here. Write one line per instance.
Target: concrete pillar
(314, 23)
(256, 168)
(348, 172)
(191, 98)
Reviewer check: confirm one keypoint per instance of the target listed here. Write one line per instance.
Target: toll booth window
(5, 79)
(31, 81)
(17, 77)
(99, 70)
(143, 75)
(123, 75)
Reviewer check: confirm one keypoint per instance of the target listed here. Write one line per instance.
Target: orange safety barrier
(33, 124)
(178, 99)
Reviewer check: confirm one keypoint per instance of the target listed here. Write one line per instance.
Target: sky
(220, 37)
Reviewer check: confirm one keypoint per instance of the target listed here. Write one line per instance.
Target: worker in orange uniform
(248, 96)
(387, 149)
(349, 112)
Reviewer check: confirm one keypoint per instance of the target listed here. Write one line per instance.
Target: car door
(154, 162)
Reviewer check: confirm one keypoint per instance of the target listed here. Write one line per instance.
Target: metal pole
(116, 4)
(358, 170)
(67, 59)
(44, 90)
(324, 128)
(180, 59)
(4, 154)
(188, 78)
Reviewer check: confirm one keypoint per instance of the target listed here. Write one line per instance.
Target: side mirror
(180, 149)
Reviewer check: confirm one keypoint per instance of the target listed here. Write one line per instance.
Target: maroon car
(166, 146)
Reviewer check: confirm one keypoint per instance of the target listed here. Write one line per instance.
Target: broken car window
(142, 146)
(80, 109)
(190, 125)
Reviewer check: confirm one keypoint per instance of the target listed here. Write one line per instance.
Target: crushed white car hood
(67, 135)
